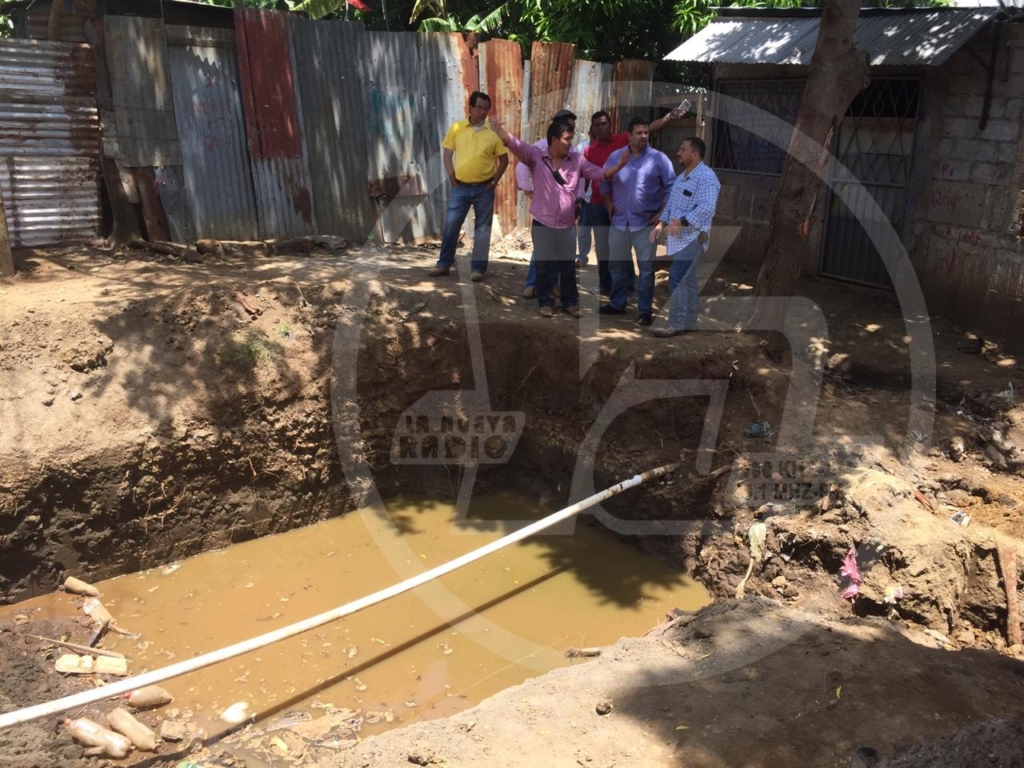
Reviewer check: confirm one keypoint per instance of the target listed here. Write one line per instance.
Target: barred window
(745, 137)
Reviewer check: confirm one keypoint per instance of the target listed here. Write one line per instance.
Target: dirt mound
(996, 744)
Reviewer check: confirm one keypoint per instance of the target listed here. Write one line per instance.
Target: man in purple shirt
(556, 174)
(637, 196)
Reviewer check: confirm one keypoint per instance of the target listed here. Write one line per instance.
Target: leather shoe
(573, 311)
(477, 276)
(644, 319)
(439, 271)
(547, 312)
(608, 309)
(530, 293)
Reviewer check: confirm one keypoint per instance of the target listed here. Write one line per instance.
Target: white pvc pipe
(215, 657)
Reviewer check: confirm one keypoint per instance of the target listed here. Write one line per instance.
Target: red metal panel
(470, 64)
(503, 65)
(268, 90)
(551, 67)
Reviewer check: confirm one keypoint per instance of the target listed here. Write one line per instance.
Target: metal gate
(873, 153)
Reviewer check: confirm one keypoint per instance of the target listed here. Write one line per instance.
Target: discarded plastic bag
(850, 571)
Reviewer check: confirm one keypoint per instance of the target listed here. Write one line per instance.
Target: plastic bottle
(150, 696)
(141, 735)
(79, 587)
(95, 735)
(97, 611)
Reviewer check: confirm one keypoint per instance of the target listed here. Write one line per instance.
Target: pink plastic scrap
(850, 571)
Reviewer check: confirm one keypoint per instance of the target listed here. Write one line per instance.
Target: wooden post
(6, 257)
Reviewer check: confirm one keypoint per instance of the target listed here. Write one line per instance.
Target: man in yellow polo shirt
(475, 160)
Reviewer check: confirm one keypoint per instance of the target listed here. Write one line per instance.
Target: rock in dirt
(208, 246)
(957, 448)
(88, 355)
(171, 731)
(422, 757)
(603, 707)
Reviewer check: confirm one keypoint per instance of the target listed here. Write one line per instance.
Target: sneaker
(608, 309)
(667, 332)
(644, 319)
(573, 311)
(477, 276)
(439, 271)
(529, 292)
(547, 312)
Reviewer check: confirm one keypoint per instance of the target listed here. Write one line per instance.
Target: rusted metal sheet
(551, 66)
(332, 72)
(170, 184)
(214, 150)
(280, 171)
(591, 92)
(631, 90)
(470, 64)
(49, 142)
(393, 129)
(152, 209)
(443, 62)
(501, 75)
(143, 106)
(268, 90)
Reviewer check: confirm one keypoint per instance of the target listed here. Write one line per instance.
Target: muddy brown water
(425, 654)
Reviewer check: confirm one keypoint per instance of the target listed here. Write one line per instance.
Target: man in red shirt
(596, 212)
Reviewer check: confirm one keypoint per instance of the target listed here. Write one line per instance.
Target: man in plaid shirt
(687, 216)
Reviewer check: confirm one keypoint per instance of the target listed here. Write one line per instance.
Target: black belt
(476, 183)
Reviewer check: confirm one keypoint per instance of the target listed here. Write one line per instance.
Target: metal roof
(916, 37)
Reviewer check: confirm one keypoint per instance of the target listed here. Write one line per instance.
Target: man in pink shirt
(556, 174)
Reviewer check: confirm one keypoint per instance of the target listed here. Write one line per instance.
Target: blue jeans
(482, 201)
(597, 220)
(682, 280)
(531, 273)
(583, 235)
(621, 244)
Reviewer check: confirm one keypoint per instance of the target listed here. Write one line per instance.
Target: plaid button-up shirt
(694, 197)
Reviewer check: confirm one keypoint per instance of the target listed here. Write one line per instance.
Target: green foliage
(445, 22)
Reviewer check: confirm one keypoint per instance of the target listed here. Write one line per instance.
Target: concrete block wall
(969, 250)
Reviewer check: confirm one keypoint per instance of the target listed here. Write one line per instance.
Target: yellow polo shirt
(476, 149)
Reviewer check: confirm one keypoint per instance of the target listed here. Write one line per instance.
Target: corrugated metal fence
(273, 127)
(49, 142)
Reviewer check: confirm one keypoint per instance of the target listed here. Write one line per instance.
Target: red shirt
(598, 155)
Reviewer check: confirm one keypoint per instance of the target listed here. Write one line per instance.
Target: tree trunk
(54, 20)
(838, 72)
